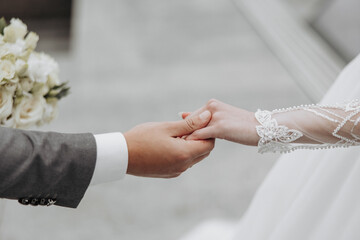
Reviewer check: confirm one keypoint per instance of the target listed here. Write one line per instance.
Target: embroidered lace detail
(272, 136)
(275, 138)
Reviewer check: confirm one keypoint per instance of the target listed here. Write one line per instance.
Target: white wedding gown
(308, 195)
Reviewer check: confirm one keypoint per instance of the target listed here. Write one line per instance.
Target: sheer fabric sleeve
(309, 127)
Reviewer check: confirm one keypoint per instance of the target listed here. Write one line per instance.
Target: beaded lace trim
(278, 138)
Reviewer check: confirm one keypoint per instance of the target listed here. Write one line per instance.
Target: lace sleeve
(309, 127)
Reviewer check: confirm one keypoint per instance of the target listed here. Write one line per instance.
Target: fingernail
(180, 114)
(205, 115)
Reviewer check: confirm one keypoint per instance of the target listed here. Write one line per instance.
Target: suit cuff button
(34, 201)
(24, 201)
(51, 202)
(43, 202)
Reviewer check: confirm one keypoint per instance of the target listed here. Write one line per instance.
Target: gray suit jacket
(45, 168)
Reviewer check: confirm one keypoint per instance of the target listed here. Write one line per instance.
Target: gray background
(133, 61)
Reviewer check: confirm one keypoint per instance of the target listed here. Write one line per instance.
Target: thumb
(184, 115)
(190, 124)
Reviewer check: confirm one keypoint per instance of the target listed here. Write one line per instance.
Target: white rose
(26, 84)
(14, 31)
(50, 112)
(53, 80)
(31, 40)
(21, 67)
(29, 111)
(40, 66)
(8, 122)
(10, 87)
(7, 70)
(16, 49)
(14, 80)
(40, 89)
(3, 52)
(6, 103)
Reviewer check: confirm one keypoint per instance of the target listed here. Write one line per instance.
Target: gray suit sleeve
(39, 166)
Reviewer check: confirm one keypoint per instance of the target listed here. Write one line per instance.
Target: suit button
(34, 201)
(51, 202)
(43, 201)
(24, 201)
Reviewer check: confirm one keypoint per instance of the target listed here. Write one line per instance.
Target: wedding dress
(309, 194)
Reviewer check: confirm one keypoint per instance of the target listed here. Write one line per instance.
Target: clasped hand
(227, 122)
(158, 149)
(167, 149)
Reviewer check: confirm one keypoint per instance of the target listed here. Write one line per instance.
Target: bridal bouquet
(29, 83)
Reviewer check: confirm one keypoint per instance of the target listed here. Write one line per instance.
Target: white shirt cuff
(111, 158)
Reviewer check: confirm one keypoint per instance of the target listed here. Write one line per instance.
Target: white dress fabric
(308, 195)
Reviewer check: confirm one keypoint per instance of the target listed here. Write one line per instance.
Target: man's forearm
(39, 165)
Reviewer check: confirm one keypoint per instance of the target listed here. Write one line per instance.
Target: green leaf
(58, 91)
(63, 93)
(60, 86)
(3, 24)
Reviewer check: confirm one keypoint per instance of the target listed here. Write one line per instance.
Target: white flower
(10, 87)
(8, 122)
(29, 111)
(40, 89)
(15, 30)
(25, 78)
(31, 40)
(14, 80)
(21, 67)
(6, 103)
(53, 80)
(50, 112)
(7, 70)
(16, 49)
(40, 66)
(26, 84)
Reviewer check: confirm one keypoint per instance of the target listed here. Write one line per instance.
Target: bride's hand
(227, 122)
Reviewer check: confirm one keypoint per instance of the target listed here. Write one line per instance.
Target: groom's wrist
(111, 158)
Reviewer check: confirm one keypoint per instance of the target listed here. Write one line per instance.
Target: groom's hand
(157, 149)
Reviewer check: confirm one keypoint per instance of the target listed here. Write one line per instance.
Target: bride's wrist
(254, 137)
(291, 121)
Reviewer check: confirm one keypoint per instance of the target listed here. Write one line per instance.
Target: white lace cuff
(272, 136)
(278, 138)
